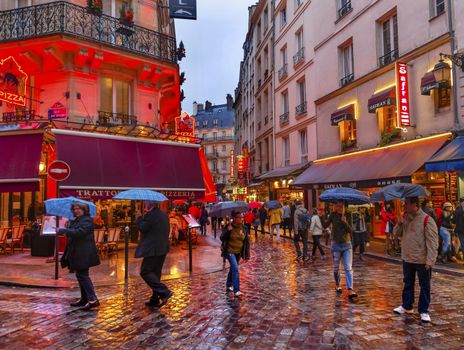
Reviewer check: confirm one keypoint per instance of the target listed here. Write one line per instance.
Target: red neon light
(12, 82)
(402, 93)
(185, 125)
(232, 163)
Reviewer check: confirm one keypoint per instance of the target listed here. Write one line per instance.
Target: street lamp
(457, 59)
(442, 71)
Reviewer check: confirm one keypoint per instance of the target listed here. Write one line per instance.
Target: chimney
(195, 108)
(199, 107)
(208, 106)
(230, 102)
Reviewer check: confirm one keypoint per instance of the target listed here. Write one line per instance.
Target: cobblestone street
(287, 305)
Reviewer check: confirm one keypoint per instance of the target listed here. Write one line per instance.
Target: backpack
(304, 221)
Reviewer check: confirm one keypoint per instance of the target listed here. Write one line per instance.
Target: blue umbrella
(399, 191)
(272, 204)
(62, 206)
(344, 194)
(142, 195)
(222, 209)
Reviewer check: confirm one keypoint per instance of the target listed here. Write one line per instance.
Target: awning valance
(20, 160)
(382, 99)
(283, 171)
(429, 83)
(449, 158)
(345, 113)
(103, 164)
(373, 168)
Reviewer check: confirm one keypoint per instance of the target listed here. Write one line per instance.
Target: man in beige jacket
(419, 246)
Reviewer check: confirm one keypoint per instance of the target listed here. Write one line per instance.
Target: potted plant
(346, 145)
(390, 135)
(127, 15)
(95, 7)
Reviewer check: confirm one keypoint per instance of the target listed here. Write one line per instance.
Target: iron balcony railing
(109, 118)
(388, 58)
(62, 17)
(300, 109)
(299, 57)
(218, 138)
(347, 79)
(283, 72)
(342, 11)
(284, 118)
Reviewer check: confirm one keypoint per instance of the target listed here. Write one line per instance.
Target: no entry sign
(59, 170)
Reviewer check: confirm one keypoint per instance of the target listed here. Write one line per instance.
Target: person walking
(204, 220)
(275, 219)
(361, 219)
(233, 239)
(301, 225)
(342, 248)
(248, 220)
(459, 220)
(286, 214)
(388, 222)
(256, 221)
(316, 230)
(81, 253)
(447, 219)
(153, 248)
(262, 218)
(418, 251)
(292, 217)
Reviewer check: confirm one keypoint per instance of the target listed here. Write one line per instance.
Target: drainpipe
(457, 123)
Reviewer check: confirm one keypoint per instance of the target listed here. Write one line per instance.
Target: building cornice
(303, 122)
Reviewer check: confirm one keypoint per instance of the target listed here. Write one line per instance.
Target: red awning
(20, 160)
(382, 99)
(101, 165)
(345, 113)
(373, 168)
(210, 187)
(428, 83)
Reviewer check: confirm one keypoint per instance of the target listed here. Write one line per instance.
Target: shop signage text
(57, 111)
(185, 125)
(386, 102)
(232, 164)
(109, 194)
(12, 82)
(402, 93)
(184, 9)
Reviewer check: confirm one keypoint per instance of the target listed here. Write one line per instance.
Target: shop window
(388, 125)
(442, 97)
(115, 96)
(348, 134)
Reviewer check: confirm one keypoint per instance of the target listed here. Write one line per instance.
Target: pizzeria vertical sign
(12, 82)
(402, 94)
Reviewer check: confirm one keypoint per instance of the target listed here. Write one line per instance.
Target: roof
(224, 116)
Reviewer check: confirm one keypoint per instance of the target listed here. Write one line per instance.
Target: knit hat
(447, 204)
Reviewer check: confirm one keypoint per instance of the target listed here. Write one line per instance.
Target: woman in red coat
(388, 218)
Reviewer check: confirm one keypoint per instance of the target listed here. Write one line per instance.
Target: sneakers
(400, 310)
(229, 289)
(425, 317)
(238, 294)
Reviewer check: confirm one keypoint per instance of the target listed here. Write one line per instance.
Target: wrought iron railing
(218, 138)
(342, 11)
(299, 57)
(283, 72)
(347, 79)
(62, 17)
(266, 120)
(388, 58)
(284, 118)
(109, 118)
(300, 109)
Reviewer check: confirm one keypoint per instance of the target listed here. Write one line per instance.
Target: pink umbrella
(255, 205)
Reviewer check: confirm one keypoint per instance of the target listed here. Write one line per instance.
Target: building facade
(215, 126)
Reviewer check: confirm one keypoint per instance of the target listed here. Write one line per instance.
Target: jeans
(409, 279)
(343, 251)
(263, 222)
(446, 235)
(275, 227)
(150, 271)
(296, 240)
(316, 245)
(233, 278)
(86, 285)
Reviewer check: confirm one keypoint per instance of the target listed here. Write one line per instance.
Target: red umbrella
(179, 201)
(255, 205)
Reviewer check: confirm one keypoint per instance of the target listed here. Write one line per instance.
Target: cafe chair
(3, 238)
(17, 237)
(113, 239)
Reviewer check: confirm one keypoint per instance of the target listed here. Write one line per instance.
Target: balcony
(259, 126)
(259, 83)
(300, 109)
(299, 57)
(342, 11)
(63, 18)
(218, 138)
(347, 79)
(114, 119)
(266, 74)
(388, 58)
(283, 72)
(212, 155)
(266, 120)
(284, 119)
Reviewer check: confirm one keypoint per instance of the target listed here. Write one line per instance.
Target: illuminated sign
(12, 82)
(185, 125)
(57, 111)
(402, 94)
(232, 164)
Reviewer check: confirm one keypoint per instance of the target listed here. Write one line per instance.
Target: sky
(213, 45)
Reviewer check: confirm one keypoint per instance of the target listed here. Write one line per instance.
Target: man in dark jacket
(262, 218)
(153, 248)
(459, 220)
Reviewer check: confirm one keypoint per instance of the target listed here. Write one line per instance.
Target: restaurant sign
(402, 93)
(185, 125)
(232, 164)
(101, 194)
(57, 111)
(12, 82)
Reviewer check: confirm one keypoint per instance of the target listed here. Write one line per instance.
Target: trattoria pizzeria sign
(13, 82)
(402, 94)
(94, 194)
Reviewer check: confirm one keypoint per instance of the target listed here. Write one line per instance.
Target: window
(346, 64)
(197, 124)
(223, 148)
(344, 7)
(298, 3)
(286, 150)
(442, 97)
(347, 134)
(115, 96)
(301, 99)
(224, 165)
(389, 29)
(258, 32)
(283, 55)
(303, 146)
(437, 7)
(299, 40)
(283, 18)
(214, 136)
(215, 167)
(265, 19)
(285, 102)
(205, 123)
(203, 136)
(299, 56)
(215, 122)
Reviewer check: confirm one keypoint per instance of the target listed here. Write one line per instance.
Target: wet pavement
(287, 304)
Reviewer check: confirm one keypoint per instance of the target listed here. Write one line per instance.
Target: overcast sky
(213, 46)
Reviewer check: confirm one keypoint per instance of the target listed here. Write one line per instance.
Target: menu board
(49, 227)
(191, 221)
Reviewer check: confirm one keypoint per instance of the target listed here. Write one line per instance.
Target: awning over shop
(371, 168)
(429, 83)
(382, 99)
(255, 184)
(450, 158)
(101, 165)
(345, 113)
(20, 160)
(282, 172)
(210, 187)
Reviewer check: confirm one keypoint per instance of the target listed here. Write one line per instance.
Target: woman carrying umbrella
(81, 253)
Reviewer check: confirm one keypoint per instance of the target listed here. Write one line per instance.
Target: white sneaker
(230, 289)
(400, 310)
(425, 317)
(238, 294)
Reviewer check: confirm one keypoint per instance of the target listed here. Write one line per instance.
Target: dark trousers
(151, 274)
(203, 229)
(409, 279)
(287, 225)
(296, 240)
(247, 228)
(359, 240)
(317, 245)
(86, 285)
(262, 226)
